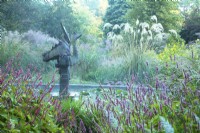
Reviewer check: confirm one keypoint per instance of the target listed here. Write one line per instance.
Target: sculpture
(61, 52)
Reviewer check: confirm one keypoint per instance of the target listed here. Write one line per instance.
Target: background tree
(38, 15)
(115, 13)
(191, 13)
(98, 7)
(88, 21)
(167, 13)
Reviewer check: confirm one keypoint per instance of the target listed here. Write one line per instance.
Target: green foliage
(172, 50)
(111, 70)
(162, 107)
(89, 23)
(132, 47)
(22, 107)
(182, 66)
(191, 26)
(115, 13)
(167, 13)
(96, 6)
(75, 109)
(27, 49)
(89, 59)
(38, 15)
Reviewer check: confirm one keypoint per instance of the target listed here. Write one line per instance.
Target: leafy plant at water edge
(169, 104)
(22, 108)
(78, 114)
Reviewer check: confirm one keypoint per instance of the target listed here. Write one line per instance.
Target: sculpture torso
(61, 53)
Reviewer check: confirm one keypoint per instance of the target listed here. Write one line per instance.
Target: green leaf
(166, 125)
(15, 131)
(4, 116)
(13, 121)
(197, 118)
(155, 120)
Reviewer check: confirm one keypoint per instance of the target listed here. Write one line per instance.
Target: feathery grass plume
(166, 125)
(110, 35)
(173, 32)
(157, 28)
(38, 38)
(137, 22)
(107, 25)
(154, 18)
(128, 28)
(118, 38)
(116, 27)
(144, 25)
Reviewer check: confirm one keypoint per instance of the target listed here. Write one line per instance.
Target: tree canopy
(167, 13)
(191, 27)
(38, 15)
(115, 13)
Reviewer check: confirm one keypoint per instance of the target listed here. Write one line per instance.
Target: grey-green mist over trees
(149, 47)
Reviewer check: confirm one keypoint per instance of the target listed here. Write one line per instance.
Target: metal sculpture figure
(61, 52)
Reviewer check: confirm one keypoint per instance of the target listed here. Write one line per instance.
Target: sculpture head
(62, 48)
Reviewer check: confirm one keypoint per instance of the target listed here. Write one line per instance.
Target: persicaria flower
(1, 81)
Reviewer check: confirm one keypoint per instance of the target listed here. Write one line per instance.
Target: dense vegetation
(151, 47)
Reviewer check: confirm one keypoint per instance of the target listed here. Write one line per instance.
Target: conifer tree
(115, 13)
(191, 27)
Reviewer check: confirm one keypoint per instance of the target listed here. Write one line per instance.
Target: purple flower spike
(82, 127)
(161, 107)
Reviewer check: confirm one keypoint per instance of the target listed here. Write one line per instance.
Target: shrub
(26, 107)
(22, 107)
(168, 102)
(27, 48)
(89, 59)
(171, 51)
(157, 108)
(110, 72)
(80, 115)
(38, 38)
(183, 66)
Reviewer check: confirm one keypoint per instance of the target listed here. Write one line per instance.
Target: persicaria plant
(24, 107)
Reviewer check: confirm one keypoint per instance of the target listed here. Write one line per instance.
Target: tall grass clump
(182, 67)
(89, 61)
(136, 44)
(28, 47)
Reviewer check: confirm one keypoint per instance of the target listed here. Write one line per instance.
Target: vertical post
(64, 80)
